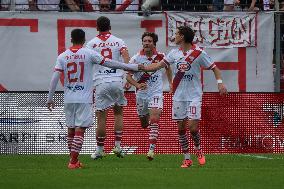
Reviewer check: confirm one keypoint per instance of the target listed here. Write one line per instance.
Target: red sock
(70, 138)
(76, 146)
(153, 134)
(183, 141)
(118, 136)
(100, 141)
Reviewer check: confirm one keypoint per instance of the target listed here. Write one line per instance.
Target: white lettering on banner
(265, 142)
(216, 31)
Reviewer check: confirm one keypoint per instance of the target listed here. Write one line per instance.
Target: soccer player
(109, 92)
(76, 63)
(187, 88)
(149, 88)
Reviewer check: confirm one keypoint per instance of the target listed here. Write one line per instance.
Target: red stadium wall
(237, 123)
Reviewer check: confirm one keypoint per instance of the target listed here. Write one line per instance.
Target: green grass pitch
(135, 172)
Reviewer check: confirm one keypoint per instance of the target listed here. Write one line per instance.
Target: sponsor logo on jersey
(183, 66)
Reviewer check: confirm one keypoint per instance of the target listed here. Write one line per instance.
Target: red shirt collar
(104, 35)
(75, 48)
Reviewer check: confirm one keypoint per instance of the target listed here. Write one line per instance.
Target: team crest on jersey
(183, 66)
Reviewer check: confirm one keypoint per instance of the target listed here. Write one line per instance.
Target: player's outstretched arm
(119, 65)
(221, 87)
(52, 87)
(152, 67)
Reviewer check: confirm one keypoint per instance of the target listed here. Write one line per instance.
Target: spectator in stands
(27, 5)
(104, 5)
(187, 5)
(128, 5)
(50, 5)
(148, 5)
(217, 5)
(76, 5)
(281, 4)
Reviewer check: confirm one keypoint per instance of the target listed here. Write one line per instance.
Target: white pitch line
(255, 156)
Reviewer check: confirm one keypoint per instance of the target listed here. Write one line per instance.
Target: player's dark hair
(78, 36)
(103, 24)
(151, 34)
(187, 33)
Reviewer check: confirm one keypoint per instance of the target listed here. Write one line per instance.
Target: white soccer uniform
(76, 64)
(106, 95)
(152, 96)
(188, 93)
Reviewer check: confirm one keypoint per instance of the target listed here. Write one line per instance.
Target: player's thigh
(142, 106)
(84, 115)
(194, 110)
(180, 110)
(69, 110)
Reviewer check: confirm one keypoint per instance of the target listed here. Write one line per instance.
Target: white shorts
(109, 94)
(186, 110)
(143, 105)
(78, 114)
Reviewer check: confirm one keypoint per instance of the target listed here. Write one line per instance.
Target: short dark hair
(78, 36)
(103, 24)
(187, 33)
(151, 34)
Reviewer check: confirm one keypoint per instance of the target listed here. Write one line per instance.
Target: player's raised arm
(221, 87)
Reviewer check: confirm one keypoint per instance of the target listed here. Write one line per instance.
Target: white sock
(197, 147)
(152, 147)
(100, 149)
(117, 143)
(187, 156)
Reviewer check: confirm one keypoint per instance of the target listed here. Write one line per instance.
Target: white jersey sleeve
(205, 61)
(169, 58)
(97, 58)
(59, 65)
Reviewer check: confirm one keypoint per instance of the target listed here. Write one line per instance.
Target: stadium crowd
(144, 7)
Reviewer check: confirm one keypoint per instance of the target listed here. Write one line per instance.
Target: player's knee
(154, 119)
(144, 125)
(117, 110)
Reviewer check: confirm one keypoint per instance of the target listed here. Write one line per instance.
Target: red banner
(237, 123)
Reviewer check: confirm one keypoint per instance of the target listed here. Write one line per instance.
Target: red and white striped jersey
(153, 80)
(110, 47)
(187, 72)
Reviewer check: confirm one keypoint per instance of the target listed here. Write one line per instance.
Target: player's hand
(127, 86)
(141, 67)
(141, 86)
(50, 105)
(222, 89)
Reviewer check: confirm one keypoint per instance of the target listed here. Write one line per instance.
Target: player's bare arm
(221, 87)
(139, 86)
(125, 55)
(52, 87)
(170, 78)
(126, 59)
